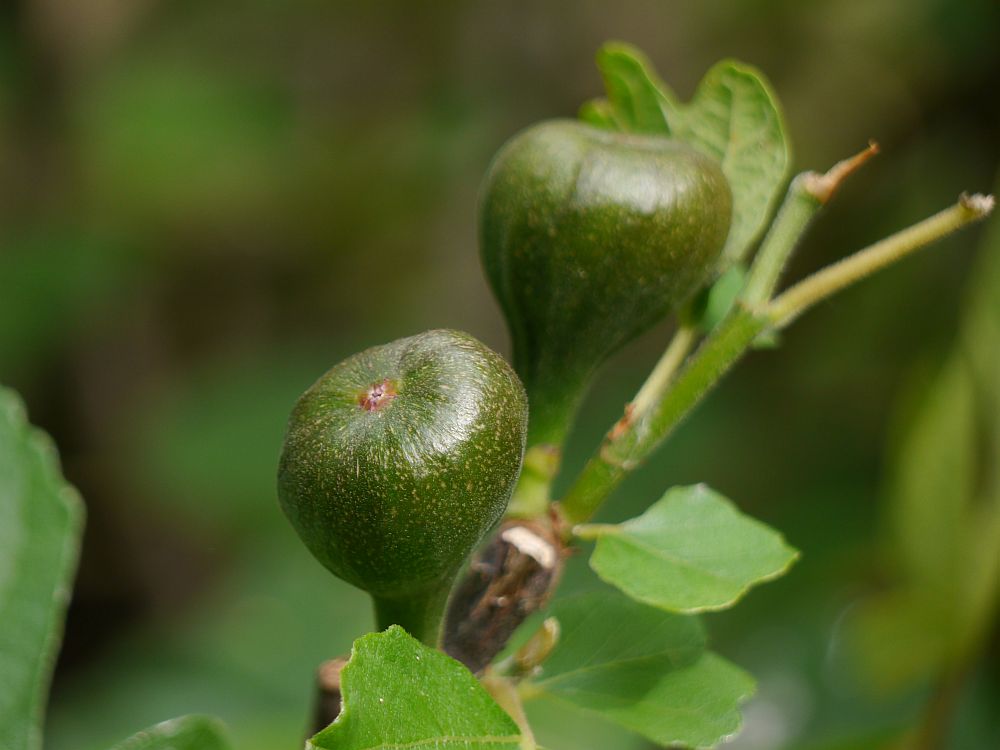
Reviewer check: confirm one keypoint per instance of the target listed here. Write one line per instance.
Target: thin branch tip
(823, 186)
(830, 280)
(978, 204)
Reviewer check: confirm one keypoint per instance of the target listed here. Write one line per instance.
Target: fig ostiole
(398, 461)
(589, 237)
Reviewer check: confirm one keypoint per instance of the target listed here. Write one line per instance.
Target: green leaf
(734, 117)
(398, 693)
(714, 302)
(692, 551)
(599, 113)
(40, 521)
(634, 94)
(592, 635)
(644, 669)
(183, 733)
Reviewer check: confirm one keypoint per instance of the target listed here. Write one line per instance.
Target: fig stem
(634, 437)
(419, 614)
(552, 406)
(532, 494)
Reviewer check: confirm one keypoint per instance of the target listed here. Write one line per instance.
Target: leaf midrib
(610, 665)
(637, 541)
(445, 740)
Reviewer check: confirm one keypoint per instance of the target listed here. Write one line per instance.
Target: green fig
(588, 238)
(398, 461)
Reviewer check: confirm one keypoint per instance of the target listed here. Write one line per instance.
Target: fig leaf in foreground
(400, 693)
(40, 521)
(734, 117)
(644, 669)
(182, 733)
(692, 551)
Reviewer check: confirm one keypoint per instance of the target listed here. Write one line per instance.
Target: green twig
(807, 194)
(842, 274)
(631, 440)
(661, 376)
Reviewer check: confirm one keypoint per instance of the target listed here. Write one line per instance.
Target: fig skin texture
(589, 237)
(398, 461)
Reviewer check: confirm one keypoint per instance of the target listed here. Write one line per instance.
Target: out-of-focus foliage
(184, 733)
(944, 513)
(204, 205)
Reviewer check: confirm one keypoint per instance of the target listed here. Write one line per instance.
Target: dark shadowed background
(204, 204)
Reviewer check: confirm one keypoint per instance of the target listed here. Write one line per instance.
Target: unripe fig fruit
(589, 237)
(398, 461)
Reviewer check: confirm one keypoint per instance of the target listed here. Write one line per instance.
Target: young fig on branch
(398, 461)
(589, 237)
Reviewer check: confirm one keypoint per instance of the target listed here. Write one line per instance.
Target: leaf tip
(618, 47)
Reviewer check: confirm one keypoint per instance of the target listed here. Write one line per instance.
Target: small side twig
(663, 373)
(808, 193)
(328, 695)
(509, 579)
(832, 279)
(823, 186)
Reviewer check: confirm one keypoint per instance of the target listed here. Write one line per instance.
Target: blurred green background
(204, 204)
